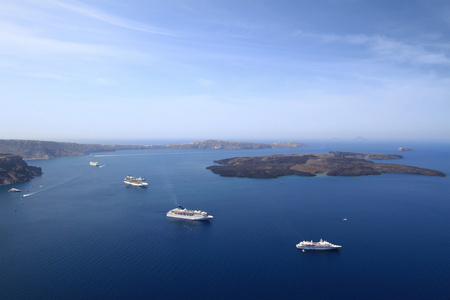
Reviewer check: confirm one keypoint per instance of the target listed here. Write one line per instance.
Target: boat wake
(26, 195)
(102, 166)
(48, 188)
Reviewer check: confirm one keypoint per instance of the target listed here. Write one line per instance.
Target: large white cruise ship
(94, 164)
(321, 245)
(188, 214)
(135, 181)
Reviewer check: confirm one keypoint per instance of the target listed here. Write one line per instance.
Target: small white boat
(321, 245)
(13, 190)
(94, 164)
(182, 213)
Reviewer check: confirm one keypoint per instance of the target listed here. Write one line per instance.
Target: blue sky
(225, 69)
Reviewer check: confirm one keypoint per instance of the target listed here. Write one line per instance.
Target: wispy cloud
(20, 42)
(407, 53)
(27, 42)
(388, 48)
(113, 20)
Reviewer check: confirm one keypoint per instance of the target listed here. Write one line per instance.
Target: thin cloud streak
(386, 48)
(104, 17)
(20, 43)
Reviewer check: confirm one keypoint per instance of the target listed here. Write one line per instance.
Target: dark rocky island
(309, 165)
(14, 169)
(373, 156)
(30, 149)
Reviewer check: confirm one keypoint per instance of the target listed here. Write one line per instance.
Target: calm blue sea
(82, 234)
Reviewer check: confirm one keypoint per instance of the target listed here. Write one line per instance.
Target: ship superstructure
(321, 245)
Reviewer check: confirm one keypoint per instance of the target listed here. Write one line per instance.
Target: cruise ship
(321, 245)
(94, 164)
(195, 215)
(135, 181)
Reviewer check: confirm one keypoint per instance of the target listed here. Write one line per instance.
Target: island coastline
(310, 165)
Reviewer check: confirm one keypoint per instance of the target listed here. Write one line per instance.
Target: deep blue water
(82, 234)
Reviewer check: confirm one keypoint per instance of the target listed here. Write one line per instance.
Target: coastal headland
(331, 164)
(14, 169)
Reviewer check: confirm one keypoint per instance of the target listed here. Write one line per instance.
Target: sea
(79, 232)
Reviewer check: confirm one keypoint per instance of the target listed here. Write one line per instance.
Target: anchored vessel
(195, 215)
(13, 190)
(321, 245)
(135, 181)
(94, 163)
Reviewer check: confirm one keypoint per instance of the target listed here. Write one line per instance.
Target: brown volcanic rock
(14, 169)
(364, 155)
(260, 167)
(308, 165)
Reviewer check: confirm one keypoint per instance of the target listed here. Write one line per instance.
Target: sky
(225, 69)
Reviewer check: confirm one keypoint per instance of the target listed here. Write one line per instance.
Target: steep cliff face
(14, 169)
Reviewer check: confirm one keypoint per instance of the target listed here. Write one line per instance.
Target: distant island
(217, 144)
(309, 165)
(32, 149)
(14, 169)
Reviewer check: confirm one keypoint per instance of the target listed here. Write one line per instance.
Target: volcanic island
(332, 164)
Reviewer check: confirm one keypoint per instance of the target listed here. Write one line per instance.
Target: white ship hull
(187, 214)
(94, 164)
(317, 248)
(142, 184)
(133, 181)
(322, 245)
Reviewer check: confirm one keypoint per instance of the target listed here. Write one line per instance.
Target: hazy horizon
(229, 70)
(308, 142)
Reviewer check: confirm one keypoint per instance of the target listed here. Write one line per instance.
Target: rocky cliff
(309, 165)
(14, 169)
